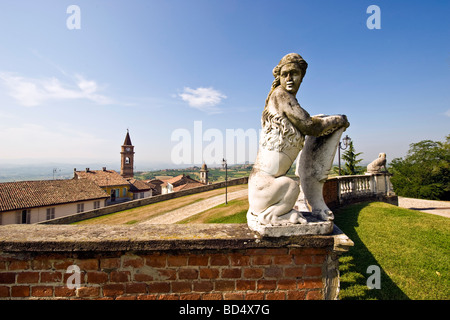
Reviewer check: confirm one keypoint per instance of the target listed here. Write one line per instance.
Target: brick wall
(209, 262)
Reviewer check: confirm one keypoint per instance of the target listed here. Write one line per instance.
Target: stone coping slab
(104, 238)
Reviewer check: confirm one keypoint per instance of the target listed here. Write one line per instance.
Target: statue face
(291, 77)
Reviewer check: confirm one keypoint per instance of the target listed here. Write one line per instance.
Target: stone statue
(285, 124)
(376, 165)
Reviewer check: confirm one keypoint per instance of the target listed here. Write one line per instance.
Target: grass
(233, 212)
(140, 214)
(411, 248)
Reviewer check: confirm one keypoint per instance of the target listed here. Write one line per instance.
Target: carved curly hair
(289, 58)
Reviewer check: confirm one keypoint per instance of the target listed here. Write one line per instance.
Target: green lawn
(411, 248)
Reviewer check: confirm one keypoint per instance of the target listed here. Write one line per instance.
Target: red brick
(212, 296)
(219, 260)
(238, 259)
(311, 283)
(295, 295)
(266, 285)
(119, 276)
(113, 289)
(303, 259)
(245, 285)
(203, 286)
(135, 262)
(64, 292)
(4, 291)
(293, 272)
(19, 265)
(282, 259)
(232, 273)
(28, 277)
(261, 260)
(51, 276)
(313, 271)
(88, 292)
(233, 296)
(136, 288)
(319, 259)
(63, 264)
(190, 296)
(224, 285)
(198, 260)
(42, 291)
(254, 296)
(209, 273)
(41, 264)
(314, 295)
(176, 261)
(268, 251)
(97, 277)
(169, 297)
(20, 291)
(142, 277)
(2, 265)
(253, 273)
(187, 274)
(147, 297)
(181, 286)
(286, 284)
(87, 264)
(7, 277)
(110, 263)
(158, 287)
(126, 298)
(155, 261)
(273, 272)
(275, 296)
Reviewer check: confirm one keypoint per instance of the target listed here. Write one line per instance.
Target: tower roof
(127, 141)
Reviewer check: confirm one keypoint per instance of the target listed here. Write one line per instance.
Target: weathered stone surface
(378, 164)
(285, 124)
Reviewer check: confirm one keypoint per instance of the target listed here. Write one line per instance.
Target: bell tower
(127, 158)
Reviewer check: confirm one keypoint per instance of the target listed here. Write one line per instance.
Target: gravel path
(441, 208)
(189, 210)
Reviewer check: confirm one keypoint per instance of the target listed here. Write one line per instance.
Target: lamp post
(346, 143)
(224, 165)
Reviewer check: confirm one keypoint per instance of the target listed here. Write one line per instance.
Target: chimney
(87, 169)
(104, 168)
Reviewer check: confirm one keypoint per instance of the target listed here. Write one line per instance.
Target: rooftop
(31, 194)
(103, 178)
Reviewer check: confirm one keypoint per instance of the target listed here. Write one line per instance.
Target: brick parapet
(192, 262)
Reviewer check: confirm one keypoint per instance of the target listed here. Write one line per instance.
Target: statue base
(312, 227)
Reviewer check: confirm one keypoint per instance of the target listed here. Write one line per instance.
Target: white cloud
(447, 113)
(32, 92)
(204, 99)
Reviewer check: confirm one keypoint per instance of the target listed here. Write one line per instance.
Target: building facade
(26, 202)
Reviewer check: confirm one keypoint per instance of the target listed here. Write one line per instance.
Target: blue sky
(158, 66)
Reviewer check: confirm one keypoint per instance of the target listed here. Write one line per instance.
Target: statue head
(289, 72)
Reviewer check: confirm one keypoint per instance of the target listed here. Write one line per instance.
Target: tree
(351, 162)
(424, 172)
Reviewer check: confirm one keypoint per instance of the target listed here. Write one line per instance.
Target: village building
(116, 186)
(178, 183)
(25, 202)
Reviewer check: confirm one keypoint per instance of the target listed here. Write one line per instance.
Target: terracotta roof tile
(104, 178)
(30, 194)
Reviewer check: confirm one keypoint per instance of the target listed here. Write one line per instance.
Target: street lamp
(224, 165)
(346, 141)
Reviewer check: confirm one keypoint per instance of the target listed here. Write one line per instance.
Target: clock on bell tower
(127, 158)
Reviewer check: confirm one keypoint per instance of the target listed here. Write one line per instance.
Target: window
(50, 213)
(127, 160)
(80, 207)
(142, 195)
(124, 192)
(96, 204)
(23, 217)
